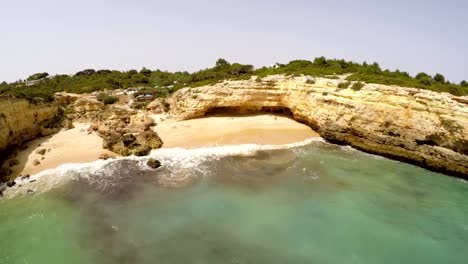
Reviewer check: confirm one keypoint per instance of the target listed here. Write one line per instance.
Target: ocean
(310, 202)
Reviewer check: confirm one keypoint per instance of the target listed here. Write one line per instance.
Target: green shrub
(37, 76)
(439, 78)
(106, 99)
(344, 85)
(357, 86)
(110, 100)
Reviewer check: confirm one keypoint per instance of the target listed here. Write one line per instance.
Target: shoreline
(78, 145)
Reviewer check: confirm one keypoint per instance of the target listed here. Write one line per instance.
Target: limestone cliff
(124, 130)
(425, 128)
(21, 121)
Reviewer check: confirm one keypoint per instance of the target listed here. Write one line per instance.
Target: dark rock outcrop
(152, 163)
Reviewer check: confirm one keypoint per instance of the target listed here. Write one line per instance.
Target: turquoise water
(313, 204)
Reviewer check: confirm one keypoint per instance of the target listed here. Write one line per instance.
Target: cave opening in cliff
(277, 110)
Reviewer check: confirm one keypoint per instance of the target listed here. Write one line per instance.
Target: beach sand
(77, 145)
(232, 130)
(68, 146)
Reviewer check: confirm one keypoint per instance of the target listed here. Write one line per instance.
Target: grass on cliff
(42, 86)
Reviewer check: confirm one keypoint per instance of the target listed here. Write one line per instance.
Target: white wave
(228, 150)
(172, 159)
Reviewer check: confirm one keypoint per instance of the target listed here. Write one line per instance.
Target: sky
(62, 36)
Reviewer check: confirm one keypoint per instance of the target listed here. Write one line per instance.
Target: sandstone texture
(126, 132)
(158, 106)
(425, 128)
(21, 121)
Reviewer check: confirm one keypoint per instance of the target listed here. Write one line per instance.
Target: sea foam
(174, 160)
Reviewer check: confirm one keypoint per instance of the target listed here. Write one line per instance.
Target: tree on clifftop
(222, 62)
(421, 75)
(439, 78)
(37, 76)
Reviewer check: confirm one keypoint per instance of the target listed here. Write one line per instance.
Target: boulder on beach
(126, 134)
(106, 156)
(41, 151)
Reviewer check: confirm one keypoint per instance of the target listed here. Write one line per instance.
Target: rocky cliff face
(124, 131)
(21, 121)
(421, 127)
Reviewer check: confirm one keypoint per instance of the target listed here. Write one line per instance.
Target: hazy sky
(62, 36)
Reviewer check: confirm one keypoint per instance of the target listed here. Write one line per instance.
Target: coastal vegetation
(106, 99)
(42, 86)
(357, 86)
(344, 85)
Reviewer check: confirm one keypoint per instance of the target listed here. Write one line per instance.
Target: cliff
(21, 121)
(425, 128)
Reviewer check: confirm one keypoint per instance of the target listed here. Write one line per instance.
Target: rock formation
(126, 132)
(425, 128)
(21, 121)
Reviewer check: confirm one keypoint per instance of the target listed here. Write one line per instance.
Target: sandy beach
(223, 130)
(77, 145)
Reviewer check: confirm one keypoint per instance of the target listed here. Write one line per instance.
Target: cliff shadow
(249, 111)
(22, 155)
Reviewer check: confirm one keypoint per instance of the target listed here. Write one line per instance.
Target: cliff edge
(21, 121)
(425, 128)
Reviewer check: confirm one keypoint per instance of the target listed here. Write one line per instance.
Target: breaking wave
(179, 167)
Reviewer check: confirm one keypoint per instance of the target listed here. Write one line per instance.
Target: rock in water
(152, 163)
(11, 183)
(36, 162)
